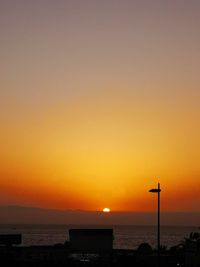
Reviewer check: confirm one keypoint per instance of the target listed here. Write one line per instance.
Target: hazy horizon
(101, 211)
(31, 215)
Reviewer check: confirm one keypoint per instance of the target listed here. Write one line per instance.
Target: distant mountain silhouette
(31, 215)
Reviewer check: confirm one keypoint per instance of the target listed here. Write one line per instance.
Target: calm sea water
(126, 237)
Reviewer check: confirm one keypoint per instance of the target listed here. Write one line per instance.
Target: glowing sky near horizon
(98, 101)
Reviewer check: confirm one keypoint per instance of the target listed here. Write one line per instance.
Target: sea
(125, 237)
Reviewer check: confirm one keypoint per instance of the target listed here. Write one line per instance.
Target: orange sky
(100, 101)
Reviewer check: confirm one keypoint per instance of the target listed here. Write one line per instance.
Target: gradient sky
(98, 101)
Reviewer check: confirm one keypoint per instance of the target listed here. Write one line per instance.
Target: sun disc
(106, 210)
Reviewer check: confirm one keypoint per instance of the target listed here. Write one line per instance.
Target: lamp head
(155, 190)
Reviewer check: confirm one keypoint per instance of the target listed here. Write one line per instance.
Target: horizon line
(93, 211)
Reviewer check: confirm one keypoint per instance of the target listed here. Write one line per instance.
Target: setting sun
(106, 210)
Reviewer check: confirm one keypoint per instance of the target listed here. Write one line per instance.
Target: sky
(100, 101)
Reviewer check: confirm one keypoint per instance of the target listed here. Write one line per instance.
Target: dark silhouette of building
(10, 239)
(91, 240)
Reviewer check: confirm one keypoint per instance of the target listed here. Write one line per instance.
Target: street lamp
(158, 190)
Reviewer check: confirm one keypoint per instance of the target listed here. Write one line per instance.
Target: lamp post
(158, 190)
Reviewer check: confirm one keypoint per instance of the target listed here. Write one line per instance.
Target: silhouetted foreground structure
(10, 240)
(94, 247)
(91, 240)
